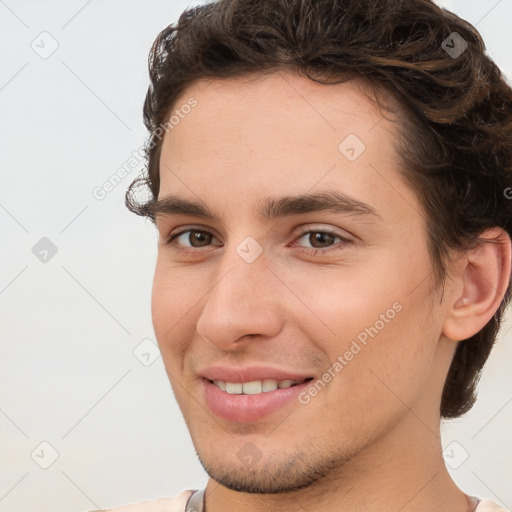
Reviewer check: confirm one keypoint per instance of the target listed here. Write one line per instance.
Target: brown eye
(190, 239)
(320, 239)
(199, 238)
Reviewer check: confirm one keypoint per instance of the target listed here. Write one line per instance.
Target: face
(303, 258)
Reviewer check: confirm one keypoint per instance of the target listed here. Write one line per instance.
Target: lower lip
(248, 408)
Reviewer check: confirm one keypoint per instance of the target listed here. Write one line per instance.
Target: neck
(401, 471)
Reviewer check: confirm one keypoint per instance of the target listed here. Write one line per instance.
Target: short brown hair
(456, 111)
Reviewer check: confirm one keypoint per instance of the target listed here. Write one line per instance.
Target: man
(328, 180)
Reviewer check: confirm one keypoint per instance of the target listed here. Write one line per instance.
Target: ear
(480, 279)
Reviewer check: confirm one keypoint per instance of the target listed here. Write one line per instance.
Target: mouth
(256, 387)
(251, 401)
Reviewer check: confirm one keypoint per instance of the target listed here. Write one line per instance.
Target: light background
(68, 327)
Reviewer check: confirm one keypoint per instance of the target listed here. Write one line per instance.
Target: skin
(371, 439)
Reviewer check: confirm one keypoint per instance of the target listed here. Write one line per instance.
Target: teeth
(269, 385)
(220, 384)
(285, 383)
(254, 387)
(234, 388)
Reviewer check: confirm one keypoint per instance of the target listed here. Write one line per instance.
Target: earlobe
(481, 280)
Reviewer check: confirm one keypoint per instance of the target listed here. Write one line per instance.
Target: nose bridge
(242, 299)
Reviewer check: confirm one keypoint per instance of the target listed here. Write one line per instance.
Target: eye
(190, 239)
(321, 240)
(312, 241)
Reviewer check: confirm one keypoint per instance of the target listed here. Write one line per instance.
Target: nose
(246, 299)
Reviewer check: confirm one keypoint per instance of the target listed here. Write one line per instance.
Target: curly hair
(455, 111)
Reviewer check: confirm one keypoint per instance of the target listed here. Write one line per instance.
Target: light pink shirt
(179, 504)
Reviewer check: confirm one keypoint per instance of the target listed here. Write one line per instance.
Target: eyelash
(171, 241)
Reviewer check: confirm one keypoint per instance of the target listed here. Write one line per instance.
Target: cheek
(172, 307)
(386, 379)
(342, 302)
(380, 332)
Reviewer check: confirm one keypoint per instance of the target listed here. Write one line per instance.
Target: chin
(275, 475)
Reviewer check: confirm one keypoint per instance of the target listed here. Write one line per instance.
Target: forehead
(254, 135)
(267, 100)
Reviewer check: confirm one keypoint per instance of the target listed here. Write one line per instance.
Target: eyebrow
(272, 207)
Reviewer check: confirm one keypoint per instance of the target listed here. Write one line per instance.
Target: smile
(251, 401)
(256, 386)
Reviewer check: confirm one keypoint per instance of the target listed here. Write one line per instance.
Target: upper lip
(250, 373)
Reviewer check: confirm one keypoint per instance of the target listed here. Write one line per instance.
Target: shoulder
(489, 506)
(176, 504)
